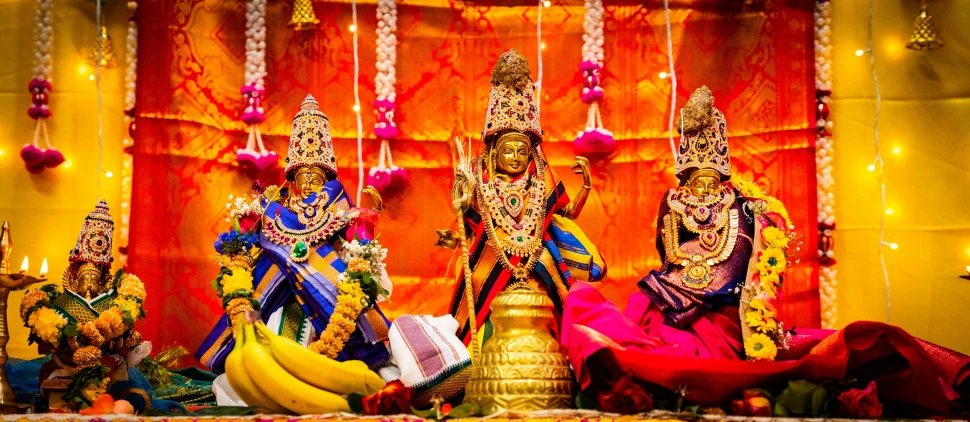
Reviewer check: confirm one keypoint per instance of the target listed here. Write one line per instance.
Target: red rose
(394, 399)
(625, 397)
(861, 403)
(248, 222)
(754, 403)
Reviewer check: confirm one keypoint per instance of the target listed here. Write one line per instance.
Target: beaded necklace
(523, 237)
(301, 240)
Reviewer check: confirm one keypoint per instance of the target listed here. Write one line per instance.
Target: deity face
(512, 154)
(703, 182)
(88, 282)
(308, 180)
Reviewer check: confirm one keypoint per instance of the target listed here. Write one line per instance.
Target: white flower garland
(386, 50)
(593, 35)
(131, 70)
(594, 138)
(253, 89)
(43, 40)
(256, 43)
(824, 154)
(385, 174)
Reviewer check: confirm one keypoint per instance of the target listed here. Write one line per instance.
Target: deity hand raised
(574, 208)
(581, 166)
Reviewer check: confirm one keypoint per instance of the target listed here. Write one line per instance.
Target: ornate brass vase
(521, 366)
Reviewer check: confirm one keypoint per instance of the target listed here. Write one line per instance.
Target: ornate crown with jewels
(310, 143)
(94, 243)
(703, 140)
(512, 101)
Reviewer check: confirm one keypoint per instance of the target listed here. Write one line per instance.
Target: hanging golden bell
(103, 44)
(303, 16)
(924, 33)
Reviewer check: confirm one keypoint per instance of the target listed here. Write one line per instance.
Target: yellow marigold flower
(358, 265)
(110, 323)
(760, 347)
(240, 279)
(774, 237)
(31, 299)
(90, 333)
(128, 305)
(131, 286)
(47, 324)
(87, 357)
(772, 260)
(748, 188)
(237, 306)
(760, 318)
(94, 390)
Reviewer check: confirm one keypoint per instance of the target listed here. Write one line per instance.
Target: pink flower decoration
(53, 158)
(32, 155)
(593, 142)
(380, 179)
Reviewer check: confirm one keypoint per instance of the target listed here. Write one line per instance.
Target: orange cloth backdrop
(756, 58)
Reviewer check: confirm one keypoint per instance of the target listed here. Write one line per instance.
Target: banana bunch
(281, 375)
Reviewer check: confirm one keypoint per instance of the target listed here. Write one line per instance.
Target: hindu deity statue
(286, 253)
(696, 324)
(87, 324)
(523, 248)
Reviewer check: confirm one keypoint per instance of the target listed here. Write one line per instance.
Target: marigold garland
(760, 314)
(342, 323)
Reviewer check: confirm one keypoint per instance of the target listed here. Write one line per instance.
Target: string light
(663, 75)
(542, 46)
(872, 167)
(82, 69)
(889, 211)
(67, 164)
(108, 174)
(897, 150)
(859, 53)
(90, 77)
(547, 3)
(360, 121)
(877, 161)
(673, 81)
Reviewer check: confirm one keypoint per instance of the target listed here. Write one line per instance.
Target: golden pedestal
(521, 367)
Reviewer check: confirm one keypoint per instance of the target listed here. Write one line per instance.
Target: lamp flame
(43, 268)
(24, 266)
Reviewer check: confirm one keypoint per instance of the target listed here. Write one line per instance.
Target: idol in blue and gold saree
(283, 256)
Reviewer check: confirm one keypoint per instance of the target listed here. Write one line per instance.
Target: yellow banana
(320, 371)
(285, 389)
(240, 381)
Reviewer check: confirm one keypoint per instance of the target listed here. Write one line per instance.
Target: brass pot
(521, 366)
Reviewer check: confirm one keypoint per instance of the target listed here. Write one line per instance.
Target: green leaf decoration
(70, 330)
(83, 379)
(800, 398)
(464, 411)
(353, 399)
(425, 414)
(585, 401)
(116, 283)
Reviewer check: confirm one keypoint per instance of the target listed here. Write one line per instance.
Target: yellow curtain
(925, 113)
(45, 211)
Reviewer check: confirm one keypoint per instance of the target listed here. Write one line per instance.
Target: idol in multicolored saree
(706, 323)
(517, 215)
(304, 257)
(87, 324)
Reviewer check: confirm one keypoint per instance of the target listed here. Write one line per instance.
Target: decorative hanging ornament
(924, 32)
(594, 139)
(386, 175)
(35, 158)
(303, 17)
(824, 154)
(255, 155)
(131, 74)
(104, 46)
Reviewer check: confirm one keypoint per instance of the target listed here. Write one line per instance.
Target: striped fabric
(426, 349)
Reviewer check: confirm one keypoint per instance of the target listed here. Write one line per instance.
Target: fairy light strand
(539, 49)
(360, 122)
(878, 164)
(97, 82)
(673, 82)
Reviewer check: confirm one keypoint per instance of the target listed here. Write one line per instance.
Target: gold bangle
(587, 187)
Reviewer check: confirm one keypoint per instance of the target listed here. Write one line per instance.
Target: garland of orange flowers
(350, 303)
(760, 312)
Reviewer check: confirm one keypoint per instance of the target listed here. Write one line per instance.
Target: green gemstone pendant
(299, 252)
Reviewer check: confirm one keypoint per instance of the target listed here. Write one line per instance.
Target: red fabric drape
(756, 58)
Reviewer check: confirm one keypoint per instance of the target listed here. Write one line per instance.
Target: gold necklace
(307, 214)
(524, 237)
(300, 241)
(698, 268)
(702, 215)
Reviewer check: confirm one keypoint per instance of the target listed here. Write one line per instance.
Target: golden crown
(703, 140)
(94, 243)
(310, 142)
(512, 100)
